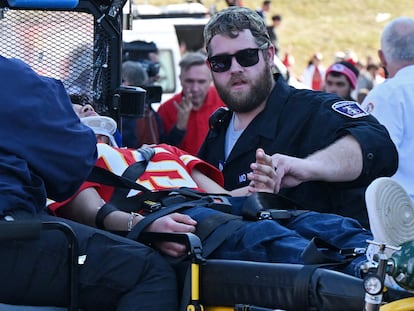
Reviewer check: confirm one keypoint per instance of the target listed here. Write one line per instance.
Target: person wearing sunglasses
(325, 150)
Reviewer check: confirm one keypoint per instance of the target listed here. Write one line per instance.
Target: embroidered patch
(242, 178)
(370, 107)
(350, 109)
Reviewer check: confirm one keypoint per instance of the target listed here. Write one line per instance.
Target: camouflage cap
(232, 20)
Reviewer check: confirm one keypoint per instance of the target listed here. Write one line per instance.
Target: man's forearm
(341, 161)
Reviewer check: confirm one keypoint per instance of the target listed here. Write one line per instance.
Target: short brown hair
(232, 20)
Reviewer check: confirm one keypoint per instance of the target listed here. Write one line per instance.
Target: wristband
(104, 211)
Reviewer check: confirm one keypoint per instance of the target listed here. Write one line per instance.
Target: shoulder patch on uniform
(350, 109)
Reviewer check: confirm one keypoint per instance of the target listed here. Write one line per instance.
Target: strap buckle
(218, 202)
(149, 206)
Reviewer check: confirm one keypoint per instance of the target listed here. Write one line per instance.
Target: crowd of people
(231, 130)
(355, 85)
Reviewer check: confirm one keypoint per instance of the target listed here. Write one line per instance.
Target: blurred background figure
(339, 57)
(314, 73)
(341, 79)
(133, 73)
(264, 9)
(289, 60)
(185, 115)
(368, 77)
(362, 93)
(234, 3)
(351, 57)
(146, 53)
(272, 30)
(147, 129)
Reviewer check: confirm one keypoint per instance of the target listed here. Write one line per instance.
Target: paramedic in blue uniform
(323, 147)
(46, 151)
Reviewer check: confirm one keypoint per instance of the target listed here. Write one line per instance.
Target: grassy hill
(326, 26)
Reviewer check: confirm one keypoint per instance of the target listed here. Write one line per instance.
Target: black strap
(166, 197)
(104, 211)
(321, 252)
(126, 204)
(212, 231)
(210, 223)
(303, 279)
(142, 224)
(129, 177)
(268, 200)
(219, 235)
(263, 205)
(105, 177)
(317, 254)
(302, 285)
(132, 173)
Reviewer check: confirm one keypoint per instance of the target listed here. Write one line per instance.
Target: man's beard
(245, 102)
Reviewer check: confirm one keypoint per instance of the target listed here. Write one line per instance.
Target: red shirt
(169, 168)
(197, 126)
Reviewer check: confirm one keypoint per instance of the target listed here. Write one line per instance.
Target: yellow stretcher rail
(406, 304)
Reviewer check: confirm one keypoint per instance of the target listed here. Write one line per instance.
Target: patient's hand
(174, 222)
(263, 175)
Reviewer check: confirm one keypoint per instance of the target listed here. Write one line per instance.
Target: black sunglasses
(246, 58)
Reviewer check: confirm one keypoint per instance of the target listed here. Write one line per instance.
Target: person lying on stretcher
(171, 168)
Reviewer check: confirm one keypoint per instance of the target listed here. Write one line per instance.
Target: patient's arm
(84, 207)
(261, 178)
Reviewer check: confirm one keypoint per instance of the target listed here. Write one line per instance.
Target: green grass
(331, 26)
(326, 26)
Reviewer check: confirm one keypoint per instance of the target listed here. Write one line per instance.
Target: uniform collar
(406, 71)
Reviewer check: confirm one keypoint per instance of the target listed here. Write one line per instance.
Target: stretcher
(30, 230)
(225, 285)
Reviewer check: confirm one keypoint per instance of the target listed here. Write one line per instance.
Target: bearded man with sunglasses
(325, 150)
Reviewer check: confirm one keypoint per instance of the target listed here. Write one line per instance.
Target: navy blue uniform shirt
(44, 148)
(298, 123)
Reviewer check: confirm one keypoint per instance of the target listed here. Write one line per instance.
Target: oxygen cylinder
(401, 266)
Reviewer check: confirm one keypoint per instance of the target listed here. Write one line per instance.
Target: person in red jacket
(185, 115)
